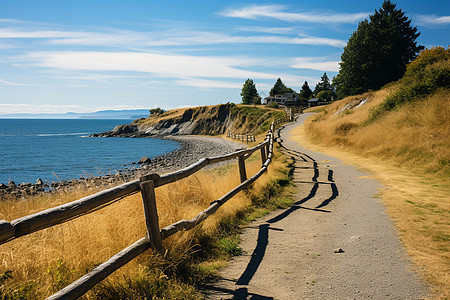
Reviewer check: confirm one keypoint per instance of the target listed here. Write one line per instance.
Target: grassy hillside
(401, 134)
(212, 120)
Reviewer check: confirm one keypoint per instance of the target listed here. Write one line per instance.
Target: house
(284, 99)
(315, 102)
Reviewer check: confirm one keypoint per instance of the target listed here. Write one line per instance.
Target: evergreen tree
(377, 52)
(249, 92)
(323, 84)
(279, 89)
(305, 92)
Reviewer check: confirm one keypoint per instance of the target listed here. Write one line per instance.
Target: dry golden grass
(407, 150)
(47, 260)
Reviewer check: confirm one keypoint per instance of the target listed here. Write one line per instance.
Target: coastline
(191, 149)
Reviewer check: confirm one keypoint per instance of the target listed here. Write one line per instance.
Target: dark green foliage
(273, 105)
(249, 92)
(257, 100)
(377, 52)
(156, 111)
(323, 85)
(428, 73)
(305, 92)
(279, 88)
(326, 95)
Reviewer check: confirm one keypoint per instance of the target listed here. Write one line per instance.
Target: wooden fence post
(242, 171)
(151, 214)
(263, 155)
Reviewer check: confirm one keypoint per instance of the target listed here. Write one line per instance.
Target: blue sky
(59, 56)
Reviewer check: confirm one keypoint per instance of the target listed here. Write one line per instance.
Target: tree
(279, 89)
(323, 84)
(256, 100)
(305, 92)
(249, 92)
(326, 95)
(377, 52)
(156, 111)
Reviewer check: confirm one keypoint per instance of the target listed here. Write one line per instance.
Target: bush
(428, 73)
(273, 105)
(156, 111)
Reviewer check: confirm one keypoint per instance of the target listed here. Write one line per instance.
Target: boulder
(144, 160)
(39, 182)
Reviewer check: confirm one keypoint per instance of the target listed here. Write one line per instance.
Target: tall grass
(406, 148)
(37, 265)
(415, 137)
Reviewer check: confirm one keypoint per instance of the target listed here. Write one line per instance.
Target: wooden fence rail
(145, 185)
(248, 137)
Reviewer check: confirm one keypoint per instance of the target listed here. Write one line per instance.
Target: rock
(339, 250)
(2, 186)
(39, 182)
(12, 184)
(144, 160)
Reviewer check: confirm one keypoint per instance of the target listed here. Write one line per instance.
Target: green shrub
(272, 105)
(428, 73)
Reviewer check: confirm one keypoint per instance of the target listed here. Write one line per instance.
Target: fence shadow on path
(259, 252)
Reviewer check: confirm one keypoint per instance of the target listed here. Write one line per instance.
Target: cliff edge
(203, 120)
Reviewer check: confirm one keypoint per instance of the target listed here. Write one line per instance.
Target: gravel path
(336, 242)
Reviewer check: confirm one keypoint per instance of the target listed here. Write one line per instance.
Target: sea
(60, 149)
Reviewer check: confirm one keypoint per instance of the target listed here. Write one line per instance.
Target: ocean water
(60, 149)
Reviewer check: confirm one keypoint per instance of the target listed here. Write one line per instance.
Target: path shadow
(238, 294)
(257, 255)
(263, 229)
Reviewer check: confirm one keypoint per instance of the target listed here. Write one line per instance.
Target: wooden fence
(248, 138)
(146, 185)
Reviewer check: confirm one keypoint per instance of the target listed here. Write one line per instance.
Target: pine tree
(323, 84)
(249, 92)
(279, 88)
(377, 52)
(305, 91)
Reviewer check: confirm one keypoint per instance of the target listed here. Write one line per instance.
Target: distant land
(102, 114)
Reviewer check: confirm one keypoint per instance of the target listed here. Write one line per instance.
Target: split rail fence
(248, 138)
(146, 185)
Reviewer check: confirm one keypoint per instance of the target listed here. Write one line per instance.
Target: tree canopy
(249, 93)
(305, 92)
(280, 88)
(377, 52)
(323, 85)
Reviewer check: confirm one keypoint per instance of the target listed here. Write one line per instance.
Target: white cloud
(169, 38)
(161, 65)
(430, 20)
(279, 12)
(272, 30)
(315, 63)
(4, 82)
(206, 84)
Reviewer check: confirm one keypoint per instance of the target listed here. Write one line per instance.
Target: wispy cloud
(315, 63)
(272, 30)
(4, 82)
(208, 84)
(161, 65)
(432, 20)
(280, 12)
(128, 39)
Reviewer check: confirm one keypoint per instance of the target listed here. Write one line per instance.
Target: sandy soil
(336, 242)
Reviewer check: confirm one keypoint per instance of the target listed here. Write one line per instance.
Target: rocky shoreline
(190, 150)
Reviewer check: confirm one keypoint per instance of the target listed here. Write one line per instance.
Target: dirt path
(294, 253)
